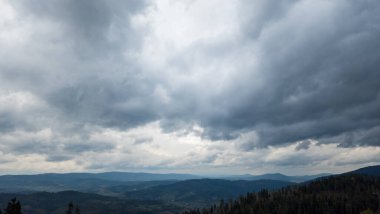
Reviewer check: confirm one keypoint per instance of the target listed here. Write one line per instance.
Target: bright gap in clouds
(148, 148)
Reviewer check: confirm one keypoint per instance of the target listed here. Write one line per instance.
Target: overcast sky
(204, 87)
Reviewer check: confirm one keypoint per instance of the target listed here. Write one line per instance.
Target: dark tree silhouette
(70, 209)
(77, 210)
(13, 207)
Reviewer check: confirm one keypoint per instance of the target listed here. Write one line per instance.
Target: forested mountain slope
(343, 194)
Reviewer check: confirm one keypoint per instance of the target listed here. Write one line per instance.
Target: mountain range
(101, 182)
(124, 192)
(276, 176)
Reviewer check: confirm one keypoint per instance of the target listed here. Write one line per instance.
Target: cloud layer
(182, 85)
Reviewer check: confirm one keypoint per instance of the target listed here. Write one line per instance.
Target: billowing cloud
(182, 85)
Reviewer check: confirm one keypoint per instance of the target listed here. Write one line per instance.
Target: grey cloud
(315, 75)
(371, 137)
(296, 159)
(320, 79)
(88, 147)
(209, 158)
(30, 147)
(88, 23)
(30, 120)
(58, 158)
(304, 145)
(105, 104)
(143, 140)
(124, 165)
(266, 12)
(81, 70)
(6, 123)
(362, 161)
(361, 137)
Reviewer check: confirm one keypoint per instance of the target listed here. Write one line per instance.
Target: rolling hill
(204, 191)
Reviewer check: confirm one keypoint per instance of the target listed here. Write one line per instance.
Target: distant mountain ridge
(112, 176)
(276, 176)
(96, 182)
(87, 182)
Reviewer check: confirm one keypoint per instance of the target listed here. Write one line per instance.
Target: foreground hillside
(343, 194)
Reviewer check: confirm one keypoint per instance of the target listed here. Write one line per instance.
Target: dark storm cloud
(92, 26)
(304, 145)
(371, 137)
(107, 103)
(85, 76)
(321, 77)
(316, 74)
(360, 137)
(317, 84)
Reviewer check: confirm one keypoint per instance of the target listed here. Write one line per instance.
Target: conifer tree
(13, 207)
(70, 208)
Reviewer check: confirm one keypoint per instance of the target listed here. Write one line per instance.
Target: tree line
(344, 194)
(14, 207)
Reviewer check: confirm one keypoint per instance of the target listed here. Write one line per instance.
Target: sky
(190, 86)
